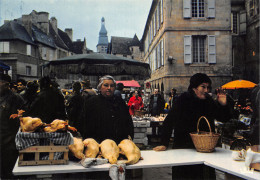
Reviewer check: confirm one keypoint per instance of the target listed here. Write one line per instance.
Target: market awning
(132, 83)
(4, 66)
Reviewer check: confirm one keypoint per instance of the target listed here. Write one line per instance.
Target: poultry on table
(27, 124)
(130, 150)
(109, 150)
(77, 148)
(60, 125)
(92, 148)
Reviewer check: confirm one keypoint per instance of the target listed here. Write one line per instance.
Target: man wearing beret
(9, 104)
(183, 118)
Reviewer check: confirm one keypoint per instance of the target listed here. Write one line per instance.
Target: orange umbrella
(239, 84)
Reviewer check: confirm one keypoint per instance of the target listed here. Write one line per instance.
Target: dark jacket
(9, 104)
(184, 115)
(160, 105)
(48, 106)
(74, 109)
(106, 118)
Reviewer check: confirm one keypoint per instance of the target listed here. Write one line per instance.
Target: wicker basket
(204, 141)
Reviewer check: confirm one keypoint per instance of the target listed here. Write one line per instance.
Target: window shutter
(242, 22)
(6, 47)
(186, 8)
(158, 16)
(159, 55)
(187, 49)
(162, 52)
(211, 49)
(28, 48)
(1, 47)
(161, 11)
(211, 8)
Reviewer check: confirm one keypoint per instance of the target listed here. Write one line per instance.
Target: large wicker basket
(204, 141)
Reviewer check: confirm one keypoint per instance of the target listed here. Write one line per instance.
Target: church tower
(102, 39)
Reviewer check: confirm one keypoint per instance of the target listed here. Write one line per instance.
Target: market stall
(220, 159)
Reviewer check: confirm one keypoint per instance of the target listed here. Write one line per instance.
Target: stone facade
(172, 36)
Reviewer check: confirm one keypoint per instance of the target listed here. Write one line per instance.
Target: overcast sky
(123, 18)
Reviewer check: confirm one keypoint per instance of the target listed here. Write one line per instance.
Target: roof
(78, 46)
(66, 39)
(102, 39)
(98, 63)
(120, 45)
(12, 30)
(41, 37)
(57, 39)
(132, 83)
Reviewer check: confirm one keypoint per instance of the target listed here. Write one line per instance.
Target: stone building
(102, 39)
(184, 37)
(245, 39)
(252, 41)
(27, 43)
(126, 47)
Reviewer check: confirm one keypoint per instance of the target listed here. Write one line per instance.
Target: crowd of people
(104, 114)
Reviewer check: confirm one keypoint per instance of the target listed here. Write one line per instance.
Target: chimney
(54, 24)
(69, 32)
(41, 20)
(6, 21)
(27, 23)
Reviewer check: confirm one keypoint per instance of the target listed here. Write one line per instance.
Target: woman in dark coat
(105, 115)
(184, 115)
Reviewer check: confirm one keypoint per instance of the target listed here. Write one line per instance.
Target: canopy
(239, 84)
(98, 64)
(132, 83)
(4, 66)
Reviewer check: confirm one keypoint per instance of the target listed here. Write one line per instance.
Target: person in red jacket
(135, 103)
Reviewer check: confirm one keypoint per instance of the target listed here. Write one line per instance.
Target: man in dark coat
(49, 103)
(156, 104)
(105, 115)
(74, 106)
(9, 104)
(184, 115)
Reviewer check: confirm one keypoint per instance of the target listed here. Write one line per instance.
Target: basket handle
(206, 121)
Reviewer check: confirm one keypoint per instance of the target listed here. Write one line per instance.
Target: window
(198, 49)
(4, 47)
(197, 8)
(28, 70)
(234, 22)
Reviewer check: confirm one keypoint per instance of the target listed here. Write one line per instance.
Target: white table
(220, 159)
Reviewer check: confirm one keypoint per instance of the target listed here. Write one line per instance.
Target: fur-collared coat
(184, 115)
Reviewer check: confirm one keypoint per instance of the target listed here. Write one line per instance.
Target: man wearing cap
(9, 103)
(183, 118)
